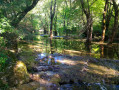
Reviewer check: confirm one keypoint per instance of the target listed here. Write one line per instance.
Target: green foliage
(3, 86)
(13, 8)
(27, 32)
(68, 12)
(3, 54)
(4, 24)
(4, 27)
(97, 30)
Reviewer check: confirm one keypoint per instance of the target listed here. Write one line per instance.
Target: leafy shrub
(3, 54)
(5, 25)
(27, 32)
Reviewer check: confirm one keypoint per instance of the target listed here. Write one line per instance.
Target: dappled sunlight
(44, 82)
(20, 73)
(79, 53)
(67, 61)
(36, 77)
(83, 62)
(81, 40)
(36, 48)
(102, 70)
(20, 68)
(73, 52)
(20, 64)
(99, 43)
(13, 51)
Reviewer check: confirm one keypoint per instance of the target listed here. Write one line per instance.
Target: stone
(19, 74)
(55, 79)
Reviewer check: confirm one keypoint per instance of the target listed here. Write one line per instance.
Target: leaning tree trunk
(19, 17)
(22, 14)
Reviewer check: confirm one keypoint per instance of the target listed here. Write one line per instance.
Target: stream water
(53, 54)
(75, 47)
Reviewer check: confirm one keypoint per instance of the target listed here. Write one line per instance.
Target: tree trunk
(45, 26)
(89, 28)
(104, 21)
(64, 26)
(108, 18)
(52, 13)
(55, 26)
(115, 28)
(89, 24)
(115, 22)
(51, 24)
(45, 32)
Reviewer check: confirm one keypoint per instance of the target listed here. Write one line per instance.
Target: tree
(55, 24)
(109, 15)
(104, 21)
(89, 25)
(115, 27)
(15, 11)
(52, 13)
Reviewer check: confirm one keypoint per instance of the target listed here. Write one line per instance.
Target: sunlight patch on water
(50, 59)
(42, 55)
(55, 59)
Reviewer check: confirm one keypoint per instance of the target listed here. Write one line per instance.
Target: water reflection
(76, 47)
(109, 51)
(55, 60)
(88, 49)
(42, 55)
(102, 51)
(51, 59)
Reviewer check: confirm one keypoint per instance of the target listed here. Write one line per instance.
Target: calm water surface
(76, 47)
